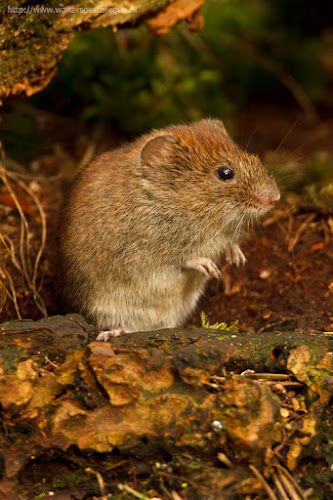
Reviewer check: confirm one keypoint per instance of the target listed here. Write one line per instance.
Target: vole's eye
(225, 173)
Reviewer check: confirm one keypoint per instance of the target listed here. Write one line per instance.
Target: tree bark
(33, 37)
(253, 401)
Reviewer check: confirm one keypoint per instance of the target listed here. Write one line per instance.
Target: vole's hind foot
(205, 266)
(234, 255)
(106, 335)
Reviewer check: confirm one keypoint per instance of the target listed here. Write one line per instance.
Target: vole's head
(199, 169)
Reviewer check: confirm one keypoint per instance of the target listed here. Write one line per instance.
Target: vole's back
(90, 238)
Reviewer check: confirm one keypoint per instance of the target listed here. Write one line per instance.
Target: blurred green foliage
(309, 185)
(136, 81)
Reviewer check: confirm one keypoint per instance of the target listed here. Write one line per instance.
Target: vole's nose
(269, 198)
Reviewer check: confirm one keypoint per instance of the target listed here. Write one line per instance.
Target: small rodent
(145, 225)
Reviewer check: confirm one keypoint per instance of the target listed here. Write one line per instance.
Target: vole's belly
(161, 299)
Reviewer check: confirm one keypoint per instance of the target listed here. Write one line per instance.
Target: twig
(176, 496)
(91, 148)
(269, 376)
(100, 481)
(269, 326)
(136, 494)
(9, 246)
(24, 232)
(263, 481)
(51, 362)
(12, 293)
(42, 245)
(293, 240)
(25, 267)
(280, 487)
(291, 485)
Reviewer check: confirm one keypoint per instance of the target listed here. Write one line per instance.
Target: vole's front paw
(109, 334)
(205, 266)
(234, 255)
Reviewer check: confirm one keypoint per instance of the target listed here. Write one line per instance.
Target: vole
(146, 225)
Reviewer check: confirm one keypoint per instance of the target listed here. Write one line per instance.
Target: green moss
(234, 327)
(69, 480)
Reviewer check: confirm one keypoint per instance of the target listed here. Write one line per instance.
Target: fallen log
(34, 36)
(198, 412)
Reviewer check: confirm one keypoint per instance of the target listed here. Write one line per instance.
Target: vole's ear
(218, 125)
(157, 148)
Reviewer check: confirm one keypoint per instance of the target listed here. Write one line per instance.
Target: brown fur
(138, 214)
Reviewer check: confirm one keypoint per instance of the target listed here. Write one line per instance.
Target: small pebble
(217, 426)
(295, 404)
(284, 412)
(224, 459)
(34, 186)
(280, 388)
(265, 274)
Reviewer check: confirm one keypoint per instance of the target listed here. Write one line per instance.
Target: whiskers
(236, 219)
(239, 225)
(233, 221)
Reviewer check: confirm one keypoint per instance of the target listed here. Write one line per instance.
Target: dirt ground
(279, 288)
(288, 280)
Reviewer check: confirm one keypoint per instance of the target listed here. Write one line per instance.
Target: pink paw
(205, 266)
(234, 255)
(106, 335)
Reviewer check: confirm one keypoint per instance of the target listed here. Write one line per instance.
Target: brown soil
(279, 288)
